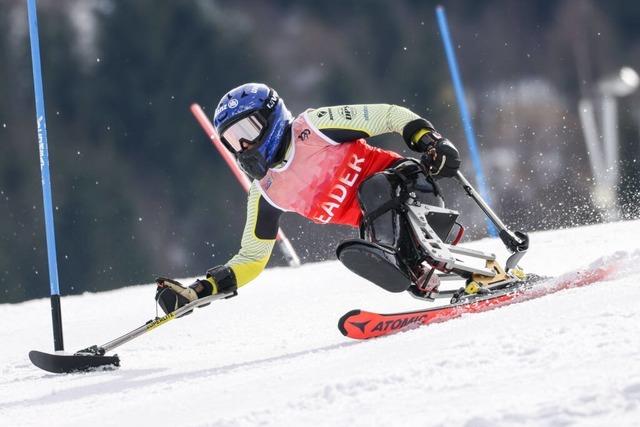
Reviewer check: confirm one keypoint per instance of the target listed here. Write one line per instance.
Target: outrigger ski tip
(68, 363)
(95, 358)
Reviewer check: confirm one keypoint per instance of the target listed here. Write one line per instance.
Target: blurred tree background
(138, 190)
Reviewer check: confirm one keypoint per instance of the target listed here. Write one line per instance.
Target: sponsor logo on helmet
(220, 109)
(272, 101)
(233, 103)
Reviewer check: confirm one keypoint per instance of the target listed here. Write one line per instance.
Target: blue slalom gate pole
(41, 123)
(464, 111)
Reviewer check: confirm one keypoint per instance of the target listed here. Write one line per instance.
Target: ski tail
(342, 323)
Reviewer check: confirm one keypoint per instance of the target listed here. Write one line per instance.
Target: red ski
(360, 324)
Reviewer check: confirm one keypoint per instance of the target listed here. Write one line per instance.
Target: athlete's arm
(346, 123)
(258, 238)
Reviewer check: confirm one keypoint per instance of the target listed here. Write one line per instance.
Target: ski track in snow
(274, 356)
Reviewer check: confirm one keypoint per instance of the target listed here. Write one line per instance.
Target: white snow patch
(274, 356)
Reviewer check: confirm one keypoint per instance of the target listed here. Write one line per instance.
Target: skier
(319, 165)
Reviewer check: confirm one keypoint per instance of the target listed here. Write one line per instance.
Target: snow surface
(274, 356)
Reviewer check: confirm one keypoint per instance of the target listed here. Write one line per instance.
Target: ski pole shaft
(471, 192)
(516, 242)
(152, 324)
(285, 245)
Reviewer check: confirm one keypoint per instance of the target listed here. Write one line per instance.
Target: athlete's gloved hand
(171, 294)
(440, 158)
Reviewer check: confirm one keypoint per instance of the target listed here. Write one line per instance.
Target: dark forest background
(139, 191)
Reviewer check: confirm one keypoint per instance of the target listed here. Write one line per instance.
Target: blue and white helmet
(252, 121)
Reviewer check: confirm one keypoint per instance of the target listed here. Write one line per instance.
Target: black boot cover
(375, 263)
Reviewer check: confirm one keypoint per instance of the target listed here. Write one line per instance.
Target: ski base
(67, 363)
(360, 324)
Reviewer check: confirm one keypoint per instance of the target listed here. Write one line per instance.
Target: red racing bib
(320, 180)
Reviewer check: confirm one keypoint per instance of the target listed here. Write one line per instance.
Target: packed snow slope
(274, 356)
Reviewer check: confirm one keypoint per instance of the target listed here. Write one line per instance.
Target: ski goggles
(247, 130)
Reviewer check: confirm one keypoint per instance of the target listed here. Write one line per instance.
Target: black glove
(441, 158)
(171, 294)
